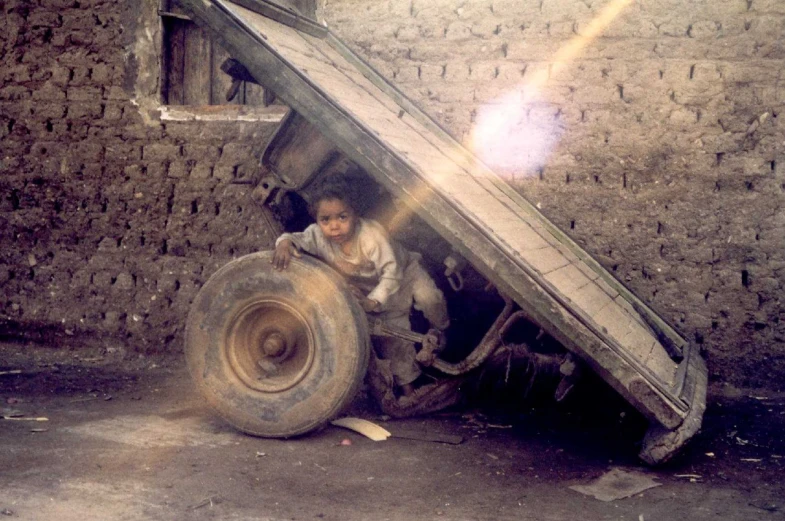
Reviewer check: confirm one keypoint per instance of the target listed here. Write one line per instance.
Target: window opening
(197, 71)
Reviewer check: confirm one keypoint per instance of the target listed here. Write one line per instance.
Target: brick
(456, 71)
(199, 152)
(383, 67)
(510, 71)
(87, 151)
(486, 28)
(100, 73)
(703, 29)
(224, 172)
(432, 72)
(458, 31)
(562, 29)
(484, 71)
(49, 92)
(15, 93)
(235, 153)
(75, 20)
(515, 7)
(113, 112)
(408, 33)
(84, 94)
(115, 92)
(18, 74)
(625, 26)
(49, 110)
(161, 152)
(177, 169)
(124, 282)
(201, 170)
(762, 71)
(563, 9)
(80, 76)
(597, 95)
(771, 7)
(452, 93)
(156, 169)
(85, 110)
(123, 152)
(531, 49)
(44, 19)
(407, 73)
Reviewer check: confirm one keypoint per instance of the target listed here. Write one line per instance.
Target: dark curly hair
(343, 187)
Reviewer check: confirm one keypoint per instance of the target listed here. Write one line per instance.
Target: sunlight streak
(508, 136)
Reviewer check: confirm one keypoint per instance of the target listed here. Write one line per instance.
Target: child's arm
(289, 245)
(382, 253)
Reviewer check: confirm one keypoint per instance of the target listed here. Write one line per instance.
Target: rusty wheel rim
(269, 346)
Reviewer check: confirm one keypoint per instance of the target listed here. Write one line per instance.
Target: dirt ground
(128, 438)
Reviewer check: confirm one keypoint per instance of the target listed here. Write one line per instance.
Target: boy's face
(337, 220)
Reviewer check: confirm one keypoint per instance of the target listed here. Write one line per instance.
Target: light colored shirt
(375, 264)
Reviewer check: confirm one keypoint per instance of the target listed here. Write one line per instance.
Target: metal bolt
(274, 344)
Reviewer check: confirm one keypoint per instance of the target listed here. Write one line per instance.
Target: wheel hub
(269, 346)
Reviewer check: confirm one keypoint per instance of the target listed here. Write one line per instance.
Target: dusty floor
(130, 440)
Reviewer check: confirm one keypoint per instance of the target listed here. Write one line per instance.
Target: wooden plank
(347, 68)
(174, 60)
(197, 64)
(345, 90)
(279, 35)
(220, 81)
(586, 270)
(590, 298)
(567, 279)
(659, 362)
(509, 203)
(626, 329)
(620, 326)
(623, 302)
(607, 288)
(285, 15)
(518, 234)
(544, 260)
(254, 94)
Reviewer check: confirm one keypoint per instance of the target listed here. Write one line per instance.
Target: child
(387, 278)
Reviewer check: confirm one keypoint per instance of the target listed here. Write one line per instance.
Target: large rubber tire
(277, 354)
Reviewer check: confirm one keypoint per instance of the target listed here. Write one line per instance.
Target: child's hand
(369, 305)
(284, 253)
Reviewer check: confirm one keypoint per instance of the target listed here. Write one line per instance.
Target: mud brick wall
(110, 218)
(665, 140)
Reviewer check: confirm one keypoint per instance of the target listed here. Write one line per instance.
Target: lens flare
(513, 134)
(509, 137)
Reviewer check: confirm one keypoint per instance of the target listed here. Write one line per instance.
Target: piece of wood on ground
(617, 484)
(368, 429)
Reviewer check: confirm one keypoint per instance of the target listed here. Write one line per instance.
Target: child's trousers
(417, 288)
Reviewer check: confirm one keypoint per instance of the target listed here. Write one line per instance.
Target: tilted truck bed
(501, 234)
